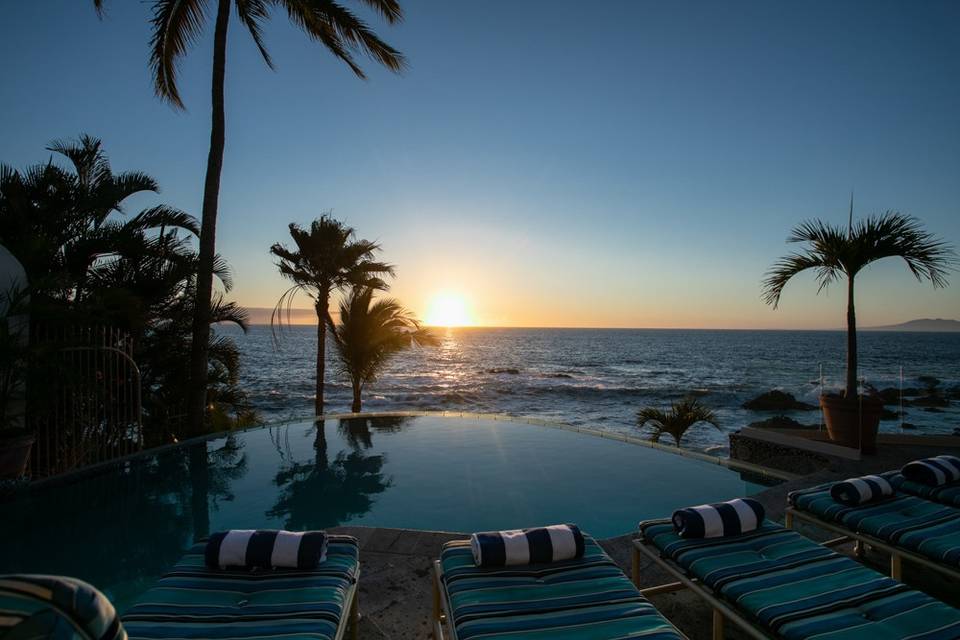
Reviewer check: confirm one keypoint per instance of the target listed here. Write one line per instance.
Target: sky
(612, 164)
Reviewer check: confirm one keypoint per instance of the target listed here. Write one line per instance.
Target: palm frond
(682, 415)
(253, 13)
(177, 25)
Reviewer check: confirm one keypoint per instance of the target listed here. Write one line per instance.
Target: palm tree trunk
(851, 391)
(196, 407)
(323, 301)
(356, 407)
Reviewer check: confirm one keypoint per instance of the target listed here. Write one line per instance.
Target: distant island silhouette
(922, 324)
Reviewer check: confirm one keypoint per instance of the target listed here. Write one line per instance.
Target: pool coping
(734, 465)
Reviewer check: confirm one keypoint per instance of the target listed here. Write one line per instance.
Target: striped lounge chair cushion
(37, 606)
(944, 494)
(193, 601)
(799, 589)
(587, 597)
(909, 522)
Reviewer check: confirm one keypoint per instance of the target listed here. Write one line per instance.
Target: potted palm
(840, 254)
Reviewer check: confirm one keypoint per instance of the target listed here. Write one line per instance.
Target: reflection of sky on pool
(123, 528)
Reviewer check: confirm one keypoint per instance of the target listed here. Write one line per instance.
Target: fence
(83, 398)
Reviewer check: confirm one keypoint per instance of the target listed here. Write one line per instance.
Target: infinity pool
(123, 527)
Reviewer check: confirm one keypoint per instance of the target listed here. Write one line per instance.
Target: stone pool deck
(396, 581)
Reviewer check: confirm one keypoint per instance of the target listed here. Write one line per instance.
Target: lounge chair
(774, 583)
(903, 526)
(39, 606)
(587, 598)
(193, 601)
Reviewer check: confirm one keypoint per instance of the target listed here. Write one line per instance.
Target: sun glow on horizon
(448, 310)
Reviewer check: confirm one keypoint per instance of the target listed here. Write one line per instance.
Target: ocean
(599, 378)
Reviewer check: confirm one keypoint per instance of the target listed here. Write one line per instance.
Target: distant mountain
(261, 315)
(923, 324)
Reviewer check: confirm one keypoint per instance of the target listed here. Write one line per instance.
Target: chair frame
(351, 621)
(721, 610)
(897, 554)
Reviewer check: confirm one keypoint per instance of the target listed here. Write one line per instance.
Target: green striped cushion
(948, 494)
(916, 524)
(800, 590)
(37, 606)
(193, 601)
(586, 598)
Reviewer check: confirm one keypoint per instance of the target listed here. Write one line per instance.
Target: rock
(559, 375)
(889, 395)
(930, 401)
(912, 391)
(886, 414)
(777, 401)
(929, 382)
(933, 410)
(506, 370)
(780, 422)
(908, 425)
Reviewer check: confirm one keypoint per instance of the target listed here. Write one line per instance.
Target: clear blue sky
(555, 163)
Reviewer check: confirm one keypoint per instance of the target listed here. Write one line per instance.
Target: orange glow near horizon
(448, 310)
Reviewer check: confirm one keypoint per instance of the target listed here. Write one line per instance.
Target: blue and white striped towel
(729, 518)
(266, 549)
(855, 491)
(933, 471)
(527, 546)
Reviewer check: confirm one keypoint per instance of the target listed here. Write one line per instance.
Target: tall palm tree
(836, 253)
(327, 259)
(678, 420)
(370, 333)
(176, 26)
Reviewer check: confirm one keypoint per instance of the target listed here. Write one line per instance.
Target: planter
(852, 422)
(14, 454)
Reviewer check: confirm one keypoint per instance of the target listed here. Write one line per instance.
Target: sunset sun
(448, 310)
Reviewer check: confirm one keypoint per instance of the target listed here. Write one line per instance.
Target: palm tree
(176, 25)
(327, 259)
(370, 333)
(836, 253)
(681, 416)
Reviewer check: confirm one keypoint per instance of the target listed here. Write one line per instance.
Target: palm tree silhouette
(327, 259)
(681, 416)
(176, 25)
(369, 334)
(836, 253)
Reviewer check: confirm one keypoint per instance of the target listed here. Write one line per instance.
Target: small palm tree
(175, 26)
(327, 259)
(836, 253)
(681, 416)
(370, 333)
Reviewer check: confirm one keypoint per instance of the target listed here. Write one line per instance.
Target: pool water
(122, 528)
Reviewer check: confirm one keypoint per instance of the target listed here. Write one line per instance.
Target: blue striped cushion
(194, 601)
(38, 606)
(588, 597)
(905, 521)
(800, 590)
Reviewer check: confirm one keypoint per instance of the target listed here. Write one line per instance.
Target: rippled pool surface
(122, 528)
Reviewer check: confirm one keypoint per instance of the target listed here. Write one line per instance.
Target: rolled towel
(266, 549)
(933, 471)
(856, 491)
(729, 518)
(527, 546)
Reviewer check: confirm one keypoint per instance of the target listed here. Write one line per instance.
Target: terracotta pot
(852, 422)
(14, 454)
